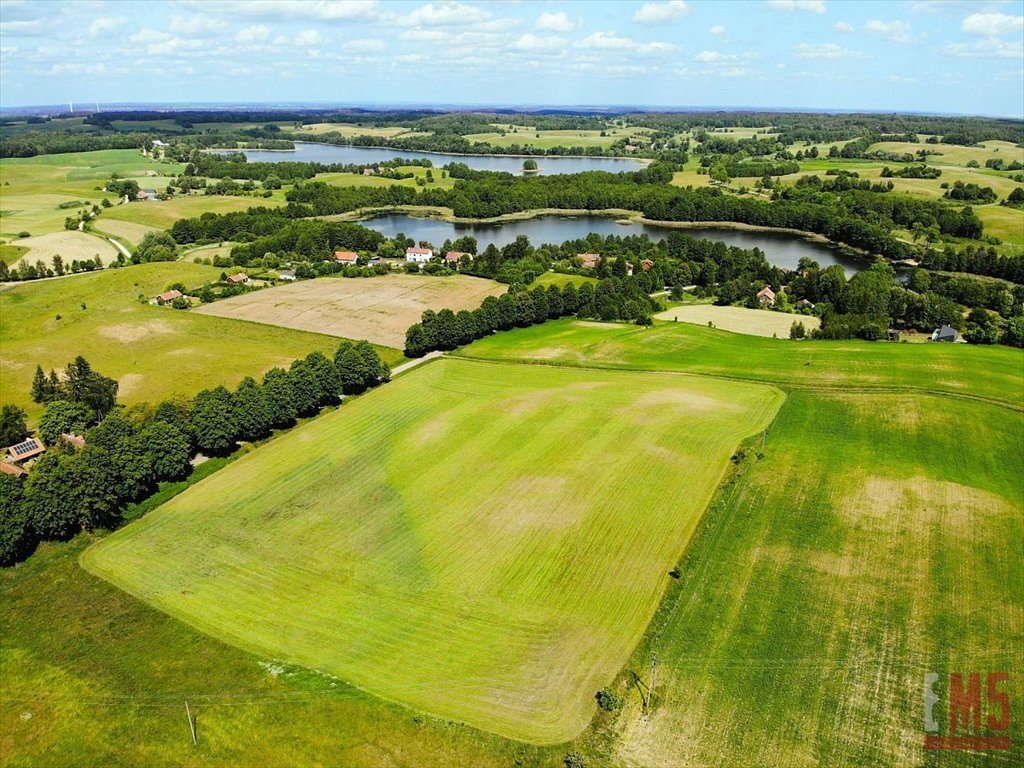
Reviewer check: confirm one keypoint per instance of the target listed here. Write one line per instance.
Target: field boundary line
(785, 386)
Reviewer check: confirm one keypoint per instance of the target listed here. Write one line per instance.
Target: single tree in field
(797, 330)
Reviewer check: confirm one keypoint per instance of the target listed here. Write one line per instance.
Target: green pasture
(154, 352)
(991, 373)
(498, 577)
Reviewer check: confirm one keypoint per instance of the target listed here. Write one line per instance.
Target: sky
(950, 56)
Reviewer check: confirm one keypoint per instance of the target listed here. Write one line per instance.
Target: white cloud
(737, 72)
(442, 14)
(610, 41)
(253, 34)
(323, 10)
(989, 48)
(660, 13)
(708, 56)
(555, 22)
(626, 69)
(309, 37)
(197, 24)
(991, 24)
(718, 29)
(78, 69)
(842, 26)
(810, 6)
(531, 42)
(896, 31)
(148, 36)
(827, 51)
(364, 45)
(105, 24)
(423, 35)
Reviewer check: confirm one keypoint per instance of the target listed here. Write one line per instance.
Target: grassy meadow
(153, 352)
(990, 373)
(880, 538)
(498, 577)
(753, 322)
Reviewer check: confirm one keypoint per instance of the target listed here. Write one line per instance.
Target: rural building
(454, 257)
(286, 274)
(367, 171)
(805, 304)
(146, 194)
(25, 450)
(240, 279)
(646, 265)
(419, 255)
(589, 260)
(11, 469)
(158, 143)
(75, 441)
(346, 258)
(946, 333)
(167, 297)
(766, 297)
(893, 334)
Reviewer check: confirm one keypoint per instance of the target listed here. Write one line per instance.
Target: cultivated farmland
(70, 246)
(154, 352)
(496, 576)
(378, 309)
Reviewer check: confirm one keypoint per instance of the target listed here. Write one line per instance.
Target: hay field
(70, 245)
(378, 309)
(154, 352)
(549, 139)
(126, 230)
(876, 541)
(496, 576)
(753, 322)
(161, 214)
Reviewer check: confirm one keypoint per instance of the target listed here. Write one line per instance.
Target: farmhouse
(25, 450)
(160, 144)
(454, 257)
(893, 334)
(346, 258)
(766, 297)
(286, 274)
(646, 265)
(946, 333)
(418, 255)
(146, 194)
(11, 469)
(367, 171)
(589, 260)
(167, 297)
(240, 279)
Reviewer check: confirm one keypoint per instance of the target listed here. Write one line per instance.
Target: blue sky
(952, 56)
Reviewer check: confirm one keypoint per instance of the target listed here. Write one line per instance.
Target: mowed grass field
(753, 322)
(378, 309)
(989, 373)
(879, 539)
(69, 245)
(153, 352)
(496, 576)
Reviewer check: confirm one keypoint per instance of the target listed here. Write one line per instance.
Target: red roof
(454, 255)
(348, 256)
(419, 251)
(767, 293)
(588, 259)
(241, 277)
(646, 264)
(10, 469)
(170, 295)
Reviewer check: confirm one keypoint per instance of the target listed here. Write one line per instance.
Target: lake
(782, 249)
(307, 152)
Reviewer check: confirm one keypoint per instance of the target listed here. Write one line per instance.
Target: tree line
(129, 451)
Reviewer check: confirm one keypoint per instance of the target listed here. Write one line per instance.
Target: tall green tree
(213, 421)
(280, 397)
(251, 411)
(13, 427)
(63, 416)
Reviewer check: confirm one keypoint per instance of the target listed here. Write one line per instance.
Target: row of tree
(130, 451)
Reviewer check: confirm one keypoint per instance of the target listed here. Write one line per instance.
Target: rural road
(413, 363)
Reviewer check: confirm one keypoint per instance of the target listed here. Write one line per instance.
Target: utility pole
(191, 723)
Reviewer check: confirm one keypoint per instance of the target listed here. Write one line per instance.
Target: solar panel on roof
(26, 447)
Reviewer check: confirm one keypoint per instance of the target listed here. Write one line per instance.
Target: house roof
(947, 331)
(26, 449)
(76, 441)
(241, 277)
(766, 292)
(588, 259)
(454, 255)
(169, 295)
(10, 469)
(646, 264)
(351, 256)
(419, 251)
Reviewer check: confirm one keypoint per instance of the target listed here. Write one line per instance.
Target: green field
(879, 539)
(990, 373)
(33, 187)
(530, 137)
(153, 352)
(497, 577)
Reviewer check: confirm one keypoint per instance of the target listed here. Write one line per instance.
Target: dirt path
(413, 363)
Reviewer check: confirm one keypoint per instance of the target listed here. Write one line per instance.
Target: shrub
(608, 700)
